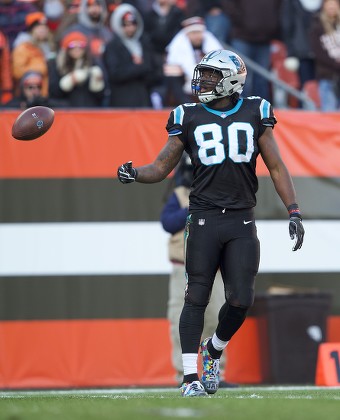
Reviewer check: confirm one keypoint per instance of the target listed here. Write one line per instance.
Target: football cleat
(210, 369)
(193, 389)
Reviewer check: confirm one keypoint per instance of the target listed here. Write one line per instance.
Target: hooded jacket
(130, 83)
(97, 33)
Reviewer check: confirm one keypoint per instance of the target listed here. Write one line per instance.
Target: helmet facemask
(208, 82)
(219, 74)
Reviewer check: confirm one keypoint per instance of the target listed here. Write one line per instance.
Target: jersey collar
(224, 114)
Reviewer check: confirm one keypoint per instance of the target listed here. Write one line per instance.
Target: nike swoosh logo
(246, 222)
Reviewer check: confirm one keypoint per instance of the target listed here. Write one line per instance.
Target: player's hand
(296, 231)
(126, 173)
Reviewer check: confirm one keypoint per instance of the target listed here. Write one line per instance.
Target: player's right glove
(296, 230)
(126, 173)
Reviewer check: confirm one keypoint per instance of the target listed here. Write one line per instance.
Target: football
(33, 123)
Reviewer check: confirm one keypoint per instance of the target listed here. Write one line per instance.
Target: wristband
(293, 210)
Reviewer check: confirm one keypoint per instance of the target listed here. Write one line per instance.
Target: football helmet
(231, 69)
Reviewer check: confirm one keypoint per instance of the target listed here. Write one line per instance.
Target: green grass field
(255, 403)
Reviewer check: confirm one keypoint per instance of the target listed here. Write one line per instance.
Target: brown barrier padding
(94, 353)
(93, 143)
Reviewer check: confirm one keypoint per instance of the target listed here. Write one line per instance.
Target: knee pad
(197, 294)
(243, 300)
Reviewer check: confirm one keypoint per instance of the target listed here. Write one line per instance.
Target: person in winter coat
(162, 23)
(325, 39)
(254, 25)
(130, 60)
(33, 51)
(296, 17)
(75, 76)
(91, 22)
(184, 52)
(30, 93)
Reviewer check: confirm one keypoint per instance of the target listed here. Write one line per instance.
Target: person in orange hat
(33, 49)
(75, 75)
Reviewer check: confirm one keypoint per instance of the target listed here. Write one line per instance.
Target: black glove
(126, 173)
(296, 230)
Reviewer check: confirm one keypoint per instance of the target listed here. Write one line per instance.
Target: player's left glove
(126, 173)
(296, 230)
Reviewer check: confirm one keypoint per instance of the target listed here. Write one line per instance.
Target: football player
(223, 135)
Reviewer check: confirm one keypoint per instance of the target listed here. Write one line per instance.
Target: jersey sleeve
(174, 126)
(267, 116)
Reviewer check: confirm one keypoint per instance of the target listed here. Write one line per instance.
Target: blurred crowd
(142, 53)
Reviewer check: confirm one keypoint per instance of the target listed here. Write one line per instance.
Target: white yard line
(106, 393)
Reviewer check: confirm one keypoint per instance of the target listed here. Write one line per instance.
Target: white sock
(218, 344)
(189, 363)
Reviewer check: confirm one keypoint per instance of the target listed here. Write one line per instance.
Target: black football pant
(226, 240)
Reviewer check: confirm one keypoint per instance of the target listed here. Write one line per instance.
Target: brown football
(33, 123)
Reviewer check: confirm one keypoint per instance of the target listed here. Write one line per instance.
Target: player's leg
(202, 260)
(239, 265)
(217, 300)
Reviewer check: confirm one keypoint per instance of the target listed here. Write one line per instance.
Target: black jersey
(223, 147)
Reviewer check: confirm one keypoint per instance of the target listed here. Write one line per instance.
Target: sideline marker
(328, 365)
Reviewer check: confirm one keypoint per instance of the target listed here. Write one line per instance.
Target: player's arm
(164, 163)
(283, 184)
(278, 171)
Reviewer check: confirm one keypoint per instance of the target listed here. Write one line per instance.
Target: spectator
(54, 11)
(6, 82)
(215, 16)
(296, 17)
(173, 219)
(34, 49)
(30, 93)
(12, 18)
(183, 53)
(138, 4)
(91, 21)
(75, 77)
(162, 23)
(69, 18)
(130, 61)
(325, 40)
(251, 36)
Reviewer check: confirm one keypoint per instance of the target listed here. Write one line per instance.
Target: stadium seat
(278, 56)
(311, 89)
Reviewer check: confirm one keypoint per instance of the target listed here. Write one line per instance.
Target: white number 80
(216, 147)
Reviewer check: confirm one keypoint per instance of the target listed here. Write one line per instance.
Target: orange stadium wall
(38, 352)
